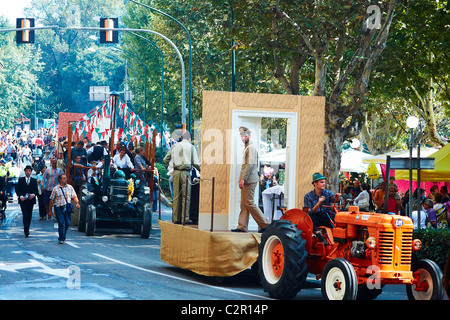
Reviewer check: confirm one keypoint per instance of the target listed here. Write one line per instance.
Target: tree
(17, 78)
(323, 47)
(339, 39)
(70, 69)
(413, 72)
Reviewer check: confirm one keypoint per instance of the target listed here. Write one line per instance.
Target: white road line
(72, 244)
(178, 278)
(69, 243)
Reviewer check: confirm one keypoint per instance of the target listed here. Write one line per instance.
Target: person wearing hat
(248, 179)
(3, 169)
(26, 193)
(314, 201)
(184, 157)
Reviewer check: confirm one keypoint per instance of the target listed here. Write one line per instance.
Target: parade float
(209, 248)
(114, 197)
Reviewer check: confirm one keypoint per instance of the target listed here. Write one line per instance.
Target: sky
(13, 8)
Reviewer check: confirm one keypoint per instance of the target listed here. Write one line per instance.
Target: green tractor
(110, 201)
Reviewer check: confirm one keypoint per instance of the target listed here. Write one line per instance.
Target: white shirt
(363, 199)
(125, 162)
(26, 151)
(423, 217)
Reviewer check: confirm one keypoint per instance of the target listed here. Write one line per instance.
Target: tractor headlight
(104, 198)
(135, 200)
(416, 245)
(371, 243)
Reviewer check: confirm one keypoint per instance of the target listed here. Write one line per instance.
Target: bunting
(92, 123)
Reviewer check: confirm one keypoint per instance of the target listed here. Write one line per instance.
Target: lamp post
(412, 123)
(145, 79)
(190, 56)
(35, 103)
(162, 86)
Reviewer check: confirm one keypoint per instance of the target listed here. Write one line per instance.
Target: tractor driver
(314, 200)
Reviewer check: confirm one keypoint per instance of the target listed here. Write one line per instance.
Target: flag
(372, 171)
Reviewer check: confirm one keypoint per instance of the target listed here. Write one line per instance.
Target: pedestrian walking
(49, 181)
(40, 195)
(26, 193)
(61, 198)
(184, 156)
(248, 179)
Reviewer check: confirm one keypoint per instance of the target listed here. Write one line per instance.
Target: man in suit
(26, 193)
(248, 179)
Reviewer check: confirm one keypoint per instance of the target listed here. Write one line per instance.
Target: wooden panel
(217, 115)
(263, 101)
(310, 144)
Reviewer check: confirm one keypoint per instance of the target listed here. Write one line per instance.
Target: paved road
(114, 264)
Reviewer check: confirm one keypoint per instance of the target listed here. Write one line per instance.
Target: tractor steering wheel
(334, 206)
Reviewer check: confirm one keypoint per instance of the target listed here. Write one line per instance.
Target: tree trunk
(332, 154)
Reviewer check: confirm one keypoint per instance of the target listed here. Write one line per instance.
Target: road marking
(178, 278)
(36, 266)
(69, 243)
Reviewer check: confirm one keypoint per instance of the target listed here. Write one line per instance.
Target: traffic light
(109, 36)
(25, 36)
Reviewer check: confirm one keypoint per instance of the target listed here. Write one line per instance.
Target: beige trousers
(179, 194)
(248, 206)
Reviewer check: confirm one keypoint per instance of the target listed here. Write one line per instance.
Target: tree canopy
(375, 62)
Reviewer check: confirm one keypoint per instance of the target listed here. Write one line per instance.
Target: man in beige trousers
(184, 156)
(248, 180)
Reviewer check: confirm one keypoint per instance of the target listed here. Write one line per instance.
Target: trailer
(209, 248)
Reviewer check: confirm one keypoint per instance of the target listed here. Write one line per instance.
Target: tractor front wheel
(430, 285)
(282, 260)
(146, 226)
(339, 280)
(90, 220)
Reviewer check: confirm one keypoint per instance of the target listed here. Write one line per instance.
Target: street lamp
(190, 56)
(145, 78)
(162, 85)
(412, 123)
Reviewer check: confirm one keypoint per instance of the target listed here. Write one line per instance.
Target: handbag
(69, 206)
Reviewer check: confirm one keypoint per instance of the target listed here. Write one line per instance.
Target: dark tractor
(116, 200)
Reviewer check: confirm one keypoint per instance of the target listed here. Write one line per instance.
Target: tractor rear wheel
(339, 281)
(282, 260)
(431, 283)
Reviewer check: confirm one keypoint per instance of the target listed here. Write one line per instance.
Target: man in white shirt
(26, 154)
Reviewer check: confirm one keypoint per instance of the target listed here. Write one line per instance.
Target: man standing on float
(248, 179)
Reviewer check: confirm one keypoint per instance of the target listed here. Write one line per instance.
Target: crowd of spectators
(432, 209)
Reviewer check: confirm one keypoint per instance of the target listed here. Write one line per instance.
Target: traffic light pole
(183, 75)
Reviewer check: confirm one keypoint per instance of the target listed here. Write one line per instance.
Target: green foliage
(435, 245)
(162, 170)
(17, 78)
(69, 67)
(416, 52)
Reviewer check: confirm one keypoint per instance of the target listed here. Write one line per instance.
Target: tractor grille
(388, 243)
(386, 246)
(406, 248)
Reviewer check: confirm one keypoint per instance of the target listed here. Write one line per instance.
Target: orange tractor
(363, 252)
